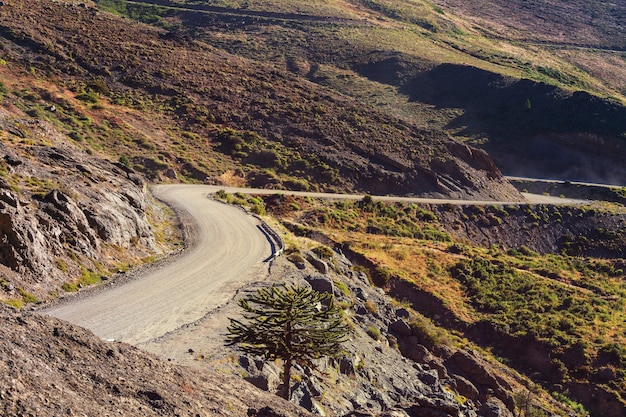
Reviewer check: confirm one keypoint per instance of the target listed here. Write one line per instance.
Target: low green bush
(323, 252)
(374, 333)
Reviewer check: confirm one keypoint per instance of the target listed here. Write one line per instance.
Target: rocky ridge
(67, 217)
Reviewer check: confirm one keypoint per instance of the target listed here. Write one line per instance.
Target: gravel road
(530, 198)
(226, 249)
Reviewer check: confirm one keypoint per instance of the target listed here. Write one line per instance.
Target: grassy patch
(28, 297)
(374, 333)
(14, 302)
(69, 287)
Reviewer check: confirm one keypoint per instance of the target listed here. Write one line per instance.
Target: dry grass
(423, 263)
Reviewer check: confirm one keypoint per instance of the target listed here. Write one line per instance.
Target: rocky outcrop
(385, 369)
(65, 213)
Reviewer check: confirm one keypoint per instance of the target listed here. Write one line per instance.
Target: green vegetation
(378, 218)
(374, 333)
(341, 286)
(574, 307)
(146, 13)
(571, 308)
(296, 258)
(14, 302)
(323, 252)
(89, 276)
(69, 287)
(284, 322)
(269, 158)
(88, 97)
(3, 91)
(427, 333)
(27, 297)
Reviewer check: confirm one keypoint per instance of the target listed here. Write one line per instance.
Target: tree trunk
(286, 378)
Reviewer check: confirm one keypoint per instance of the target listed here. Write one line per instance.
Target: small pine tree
(295, 324)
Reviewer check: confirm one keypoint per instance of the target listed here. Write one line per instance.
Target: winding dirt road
(226, 250)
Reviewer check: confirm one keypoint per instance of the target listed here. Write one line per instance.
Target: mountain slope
(52, 368)
(280, 128)
(530, 68)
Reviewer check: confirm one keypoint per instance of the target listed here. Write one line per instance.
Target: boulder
(320, 283)
(347, 366)
(481, 372)
(465, 387)
(403, 313)
(301, 395)
(494, 407)
(320, 265)
(400, 328)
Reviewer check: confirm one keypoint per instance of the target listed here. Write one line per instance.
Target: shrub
(124, 161)
(426, 332)
(381, 276)
(222, 195)
(323, 252)
(258, 206)
(296, 258)
(342, 287)
(374, 333)
(89, 97)
(14, 302)
(76, 136)
(28, 297)
(89, 277)
(425, 215)
(297, 184)
(36, 113)
(371, 307)
(3, 91)
(258, 209)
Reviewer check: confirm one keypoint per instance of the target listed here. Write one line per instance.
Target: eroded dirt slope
(50, 368)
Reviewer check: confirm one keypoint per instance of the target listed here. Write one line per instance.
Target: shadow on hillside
(497, 105)
(533, 129)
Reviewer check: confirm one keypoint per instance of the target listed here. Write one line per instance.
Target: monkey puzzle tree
(292, 323)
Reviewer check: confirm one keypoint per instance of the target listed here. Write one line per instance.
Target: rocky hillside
(68, 218)
(543, 99)
(280, 129)
(50, 368)
(396, 362)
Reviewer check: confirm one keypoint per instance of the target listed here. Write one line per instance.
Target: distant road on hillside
(244, 12)
(530, 198)
(586, 184)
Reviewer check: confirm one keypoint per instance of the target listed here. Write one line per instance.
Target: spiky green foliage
(292, 323)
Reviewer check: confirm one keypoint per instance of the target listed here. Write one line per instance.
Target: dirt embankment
(51, 368)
